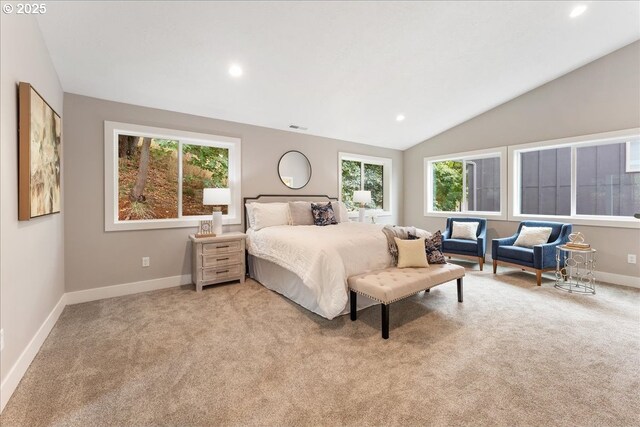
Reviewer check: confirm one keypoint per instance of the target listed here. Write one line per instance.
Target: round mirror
(294, 169)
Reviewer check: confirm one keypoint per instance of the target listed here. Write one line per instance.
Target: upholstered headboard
(279, 198)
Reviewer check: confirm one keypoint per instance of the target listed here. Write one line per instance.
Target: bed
(310, 264)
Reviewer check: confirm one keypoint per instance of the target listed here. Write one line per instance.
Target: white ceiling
(342, 69)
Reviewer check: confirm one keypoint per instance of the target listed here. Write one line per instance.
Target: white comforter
(323, 257)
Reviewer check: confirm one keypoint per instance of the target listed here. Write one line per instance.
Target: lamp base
(217, 223)
(361, 215)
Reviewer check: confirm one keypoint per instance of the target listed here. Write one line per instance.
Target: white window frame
(111, 132)
(615, 137)
(629, 166)
(387, 187)
(500, 152)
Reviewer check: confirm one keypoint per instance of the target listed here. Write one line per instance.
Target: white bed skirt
(287, 283)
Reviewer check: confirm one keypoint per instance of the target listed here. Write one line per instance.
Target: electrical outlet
(631, 258)
(1, 339)
(146, 261)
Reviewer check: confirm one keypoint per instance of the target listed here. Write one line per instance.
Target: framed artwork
(40, 132)
(205, 229)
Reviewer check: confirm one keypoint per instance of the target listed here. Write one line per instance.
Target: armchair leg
(495, 266)
(481, 261)
(539, 277)
(460, 289)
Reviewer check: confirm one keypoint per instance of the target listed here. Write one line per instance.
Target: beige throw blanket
(391, 231)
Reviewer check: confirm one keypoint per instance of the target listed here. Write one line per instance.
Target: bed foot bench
(393, 284)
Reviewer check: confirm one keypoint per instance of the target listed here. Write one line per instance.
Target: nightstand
(217, 259)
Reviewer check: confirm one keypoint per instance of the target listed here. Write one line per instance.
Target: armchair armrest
(482, 241)
(544, 256)
(496, 243)
(446, 234)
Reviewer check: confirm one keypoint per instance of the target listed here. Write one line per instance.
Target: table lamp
(216, 197)
(362, 197)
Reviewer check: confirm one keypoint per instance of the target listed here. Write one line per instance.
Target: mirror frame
(310, 169)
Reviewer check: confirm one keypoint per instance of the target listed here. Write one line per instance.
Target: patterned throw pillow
(433, 247)
(323, 214)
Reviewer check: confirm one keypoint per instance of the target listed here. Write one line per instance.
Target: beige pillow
(301, 213)
(465, 230)
(532, 236)
(411, 253)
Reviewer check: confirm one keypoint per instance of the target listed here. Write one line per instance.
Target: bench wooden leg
(353, 298)
(385, 321)
(460, 289)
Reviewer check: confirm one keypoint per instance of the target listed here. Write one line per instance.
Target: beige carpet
(513, 354)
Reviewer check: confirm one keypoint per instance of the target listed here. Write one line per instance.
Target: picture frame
(39, 154)
(205, 229)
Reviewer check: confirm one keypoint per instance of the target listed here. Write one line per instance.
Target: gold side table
(574, 270)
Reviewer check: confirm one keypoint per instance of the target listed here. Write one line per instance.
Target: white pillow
(340, 209)
(465, 230)
(250, 217)
(262, 215)
(423, 234)
(532, 236)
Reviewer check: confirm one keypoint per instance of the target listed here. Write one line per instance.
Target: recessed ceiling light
(235, 70)
(578, 10)
(400, 117)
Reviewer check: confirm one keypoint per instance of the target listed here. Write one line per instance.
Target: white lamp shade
(216, 196)
(362, 196)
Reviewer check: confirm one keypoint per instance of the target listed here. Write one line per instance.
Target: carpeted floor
(513, 354)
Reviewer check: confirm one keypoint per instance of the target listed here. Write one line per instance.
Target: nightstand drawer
(222, 247)
(220, 259)
(220, 273)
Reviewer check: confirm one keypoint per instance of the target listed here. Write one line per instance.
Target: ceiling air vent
(297, 127)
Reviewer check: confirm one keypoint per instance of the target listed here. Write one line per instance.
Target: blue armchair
(466, 248)
(539, 258)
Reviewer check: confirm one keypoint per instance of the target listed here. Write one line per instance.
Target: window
(545, 182)
(586, 178)
(154, 178)
(469, 183)
(359, 172)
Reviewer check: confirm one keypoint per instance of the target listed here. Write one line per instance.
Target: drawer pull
(222, 259)
(220, 247)
(223, 271)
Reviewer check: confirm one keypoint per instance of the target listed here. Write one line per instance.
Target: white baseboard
(601, 276)
(126, 289)
(617, 279)
(18, 370)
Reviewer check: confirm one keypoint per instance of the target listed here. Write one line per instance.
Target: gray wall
(599, 97)
(95, 258)
(32, 252)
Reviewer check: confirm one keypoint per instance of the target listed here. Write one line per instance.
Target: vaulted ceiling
(344, 70)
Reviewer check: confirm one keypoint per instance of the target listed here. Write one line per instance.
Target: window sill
(367, 213)
(616, 222)
(494, 216)
(157, 224)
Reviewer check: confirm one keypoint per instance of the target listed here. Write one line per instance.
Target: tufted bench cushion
(393, 284)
